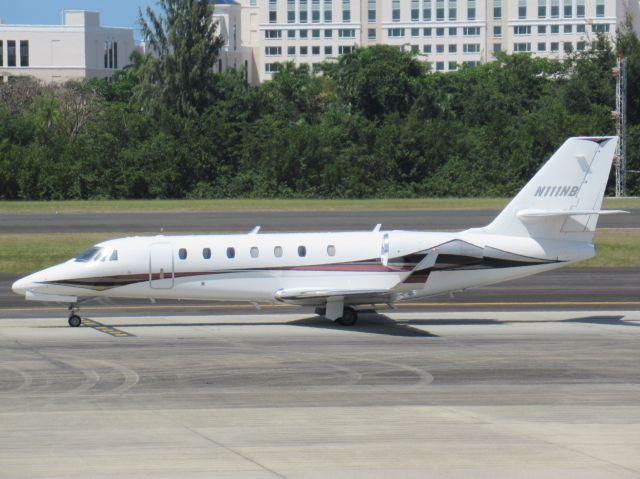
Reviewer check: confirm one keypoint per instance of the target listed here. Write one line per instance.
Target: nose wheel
(74, 319)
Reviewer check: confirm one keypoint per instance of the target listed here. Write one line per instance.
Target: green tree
(184, 45)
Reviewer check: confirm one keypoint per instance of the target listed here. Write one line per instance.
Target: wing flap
(313, 297)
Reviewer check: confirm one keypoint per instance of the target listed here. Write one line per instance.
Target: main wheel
(349, 317)
(75, 321)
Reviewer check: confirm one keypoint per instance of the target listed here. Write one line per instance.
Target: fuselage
(256, 267)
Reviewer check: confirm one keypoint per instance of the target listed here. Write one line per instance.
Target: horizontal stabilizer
(523, 214)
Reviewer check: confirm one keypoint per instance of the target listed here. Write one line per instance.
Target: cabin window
(277, 251)
(231, 253)
(331, 250)
(114, 255)
(206, 253)
(88, 255)
(302, 251)
(182, 253)
(255, 252)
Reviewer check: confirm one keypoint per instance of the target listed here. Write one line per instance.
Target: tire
(349, 317)
(75, 321)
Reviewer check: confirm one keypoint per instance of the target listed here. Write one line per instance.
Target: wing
(318, 297)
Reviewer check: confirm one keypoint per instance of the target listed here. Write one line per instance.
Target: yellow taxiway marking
(400, 305)
(103, 328)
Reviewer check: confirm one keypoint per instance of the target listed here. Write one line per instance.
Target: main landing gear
(74, 319)
(349, 315)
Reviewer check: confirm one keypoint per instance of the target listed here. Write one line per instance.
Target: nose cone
(22, 285)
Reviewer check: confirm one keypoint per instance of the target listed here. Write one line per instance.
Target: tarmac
(411, 395)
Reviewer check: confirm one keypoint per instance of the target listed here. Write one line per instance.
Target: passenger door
(161, 266)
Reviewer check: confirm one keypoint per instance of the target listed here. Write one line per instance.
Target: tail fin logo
(543, 191)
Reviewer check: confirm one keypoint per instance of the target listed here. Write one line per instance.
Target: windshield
(89, 254)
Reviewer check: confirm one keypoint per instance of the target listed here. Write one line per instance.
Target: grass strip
(136, 206)
(31, 252)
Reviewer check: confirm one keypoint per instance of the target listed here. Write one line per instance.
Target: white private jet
(549, 224)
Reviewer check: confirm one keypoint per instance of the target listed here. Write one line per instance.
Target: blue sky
(113, 13)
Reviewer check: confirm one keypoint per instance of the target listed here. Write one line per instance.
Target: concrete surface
(408, 395)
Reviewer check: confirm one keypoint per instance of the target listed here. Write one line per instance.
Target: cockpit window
(114, 255)
(88, 255)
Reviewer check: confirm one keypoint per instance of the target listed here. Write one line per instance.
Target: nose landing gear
(74, 319)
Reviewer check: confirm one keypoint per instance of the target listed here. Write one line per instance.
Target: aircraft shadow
(367, 323)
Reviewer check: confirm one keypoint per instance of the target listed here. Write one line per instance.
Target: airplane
(549, 224)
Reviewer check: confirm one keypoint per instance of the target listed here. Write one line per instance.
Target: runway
(429, 220)
(411, 395)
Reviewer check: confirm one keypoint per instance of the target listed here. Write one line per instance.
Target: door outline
(164, 263)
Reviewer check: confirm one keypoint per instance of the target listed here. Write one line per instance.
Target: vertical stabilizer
(563, 200)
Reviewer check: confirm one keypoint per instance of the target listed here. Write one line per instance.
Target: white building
(447, 33)
(79, 48)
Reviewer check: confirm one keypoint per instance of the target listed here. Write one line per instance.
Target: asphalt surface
(420, 395)
(429, 220)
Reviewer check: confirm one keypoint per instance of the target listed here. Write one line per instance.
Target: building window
(24, 53)
(581, 46)
(372, 34)
(231, 252)
(304, 50)
(267, 34)
(580, 9)
(497, 47)
(415, 48)
(11, 53)
(471, 48)
(522, 30)
(182, 253)
(291, 51)
(346, 11)
(471, 9)
(1, 53)
(439, 48)
(315, 11)
(497, 9)
(453, 66)
(453, 9)
(580, 28)
(273, 51)
(597, 28)
(474, 31)
(395, 10)
(542, 47)
(542, 8)
(522, 9)
(291, 11)
(291, 34)
(439, 66)
(440, 13)
(315, 33)
(568, 9)
(345, 49)
(273, 11)
(415, 10)
(302, 251)
(206, 253)
(599, 8)
(453, 31)
(555, 29)
(453, 48)
(522, 47)
(555, 46)
(555, 8)
(426, 49)
(254, 252)
(328, 50)
(415, 32)
(315, 50)
(568, 47)
(396, 32)
(439, 32)
(568, 28)
(426, 32)
(426, 10)
(277, 251)
(347, 33)
(371, 12)
(542, 29)
(328, 13)
(304, 33)
(497, 31)
(328, 33)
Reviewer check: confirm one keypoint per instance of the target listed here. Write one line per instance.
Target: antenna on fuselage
(377, 227)
(255, 230)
